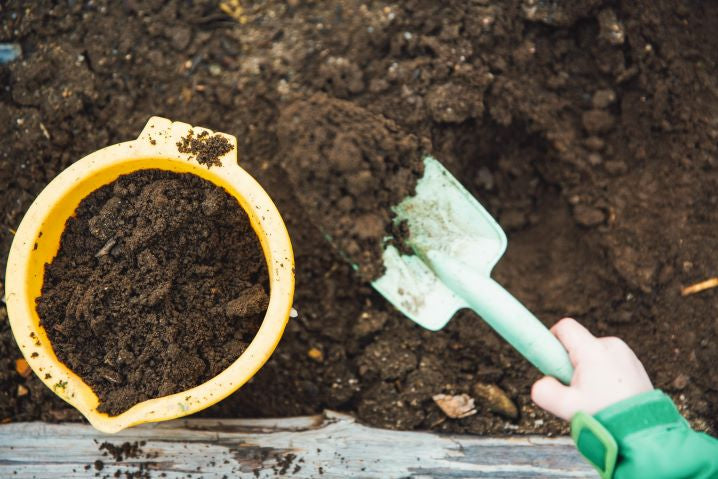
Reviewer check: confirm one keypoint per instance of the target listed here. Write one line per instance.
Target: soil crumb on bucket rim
(207, 148)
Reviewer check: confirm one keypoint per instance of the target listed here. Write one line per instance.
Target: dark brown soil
(587, 129)
(158, 286)
(126, 452)
(348, 168)
(205, 149)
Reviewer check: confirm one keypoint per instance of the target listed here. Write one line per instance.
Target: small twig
(44, 131)
(698, 287)
(106, 249)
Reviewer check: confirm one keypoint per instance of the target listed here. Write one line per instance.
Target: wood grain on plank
(328, 446)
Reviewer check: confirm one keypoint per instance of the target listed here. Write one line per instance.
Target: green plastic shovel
(456, 243)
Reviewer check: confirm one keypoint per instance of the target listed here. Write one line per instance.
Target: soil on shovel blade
(349, 167)
(587, 128)
(159, 285)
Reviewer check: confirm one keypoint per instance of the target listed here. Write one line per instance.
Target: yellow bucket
(38, 239)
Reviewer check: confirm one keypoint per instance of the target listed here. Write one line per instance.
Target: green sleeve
(653, 441)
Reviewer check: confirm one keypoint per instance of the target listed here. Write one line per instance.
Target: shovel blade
(443, 217)
(416, 291)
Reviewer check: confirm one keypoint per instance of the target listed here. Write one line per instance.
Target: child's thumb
(549, 394)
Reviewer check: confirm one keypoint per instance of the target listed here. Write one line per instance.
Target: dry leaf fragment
(456, 407)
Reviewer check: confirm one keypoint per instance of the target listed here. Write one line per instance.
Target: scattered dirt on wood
(174, 300)
(586, 128)
(127, 451)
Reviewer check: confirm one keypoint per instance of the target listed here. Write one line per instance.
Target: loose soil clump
(158, 286)
(349, 167)
(206, 149)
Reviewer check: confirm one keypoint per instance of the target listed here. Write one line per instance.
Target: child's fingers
(560, 400)
(577, 340)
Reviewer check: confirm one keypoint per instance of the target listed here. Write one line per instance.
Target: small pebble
(681, 381)
(215, 70)
(610, 28)
(22, 367)
(603, 98)
(496, 400)
(316, 354)
(485, 179)
(588, 215)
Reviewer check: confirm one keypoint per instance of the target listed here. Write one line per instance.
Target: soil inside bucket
(159, 284)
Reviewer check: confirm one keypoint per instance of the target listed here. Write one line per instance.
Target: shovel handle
(508, 317)
(521, 329)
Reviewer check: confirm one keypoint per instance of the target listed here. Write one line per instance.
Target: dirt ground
(588, 129)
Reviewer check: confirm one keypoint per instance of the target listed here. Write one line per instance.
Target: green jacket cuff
(600, 438)
(638, 413)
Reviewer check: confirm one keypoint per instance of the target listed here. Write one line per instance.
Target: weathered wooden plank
(325, 446)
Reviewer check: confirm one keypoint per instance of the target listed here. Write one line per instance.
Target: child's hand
(605, 371)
